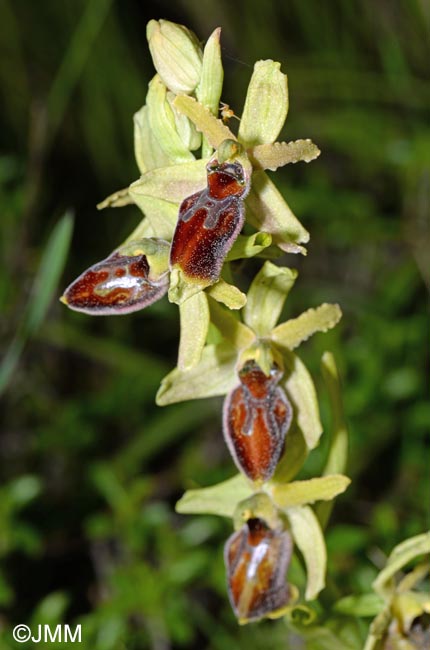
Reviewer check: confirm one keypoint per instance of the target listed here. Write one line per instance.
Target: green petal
(278, 154)
(116, 200)
(235, 332)
(300, 388)
(215, 374)
(220, 499)
(227, 294)
(266, 297)
(162, 123)
(172, 183)
(307, 535)
(245, 247)
(194, 316)
(147, 150)
(267, 211)
(266, 105)
(161, 217)
(299, 493)
(188, 133)
(213, 129)
(293, 457)
(290, 334)
(399, 557)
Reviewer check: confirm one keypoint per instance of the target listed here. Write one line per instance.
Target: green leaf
(172, 183)
(291, 334)
(220, 499)
(214, 375)
(300, 388)
(268, 211)
(307, 535)
(266, 297)
(401, 555)
(230, 326)
(227, 294)
(44, 287)
(272, 156)
(162, 123)
(251, 246)
(213, 129)
(194, 317)
(338, 451)
(266, 105)
(300, 493)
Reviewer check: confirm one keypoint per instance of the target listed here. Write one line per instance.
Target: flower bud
(257, 559)
(256, 418)
(176, 54)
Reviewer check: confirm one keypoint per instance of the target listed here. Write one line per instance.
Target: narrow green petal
(399, 558)
(268, 211)
(290, 334)
(307, 535)
(266, 297)
(300, 388)
(162, 123)
(266, 105)
(215, 374)
(172, 183)
(116, 200)
(194, 317)
(220, 499)
(230, 327)
(245, 247)
(278, 154)
(362, 605)
(227, 294)
(213, 129)
(299, 493)
(208, 91)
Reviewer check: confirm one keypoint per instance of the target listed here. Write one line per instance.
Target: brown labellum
(209, 222)
(120, 284)
(257, 416)
(257, 559)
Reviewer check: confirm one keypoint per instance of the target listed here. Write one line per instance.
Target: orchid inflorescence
(200, 214)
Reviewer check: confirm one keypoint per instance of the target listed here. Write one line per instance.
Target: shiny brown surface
(256, 560)
(117, 285)
(208, 224)
(257, 415)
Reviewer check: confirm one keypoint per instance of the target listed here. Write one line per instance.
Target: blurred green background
(90, 467)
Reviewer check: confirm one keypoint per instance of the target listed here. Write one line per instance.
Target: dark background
(90, 467)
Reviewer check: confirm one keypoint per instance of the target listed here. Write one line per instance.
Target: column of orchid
(207, 201)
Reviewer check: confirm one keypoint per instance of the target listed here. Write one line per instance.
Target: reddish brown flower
(120, 284)
(257, 416)
(209, 222)
(257, 559)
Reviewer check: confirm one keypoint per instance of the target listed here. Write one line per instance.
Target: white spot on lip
(256, 558)
(126, 282)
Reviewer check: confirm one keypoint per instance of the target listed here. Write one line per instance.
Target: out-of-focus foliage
(90, 468)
